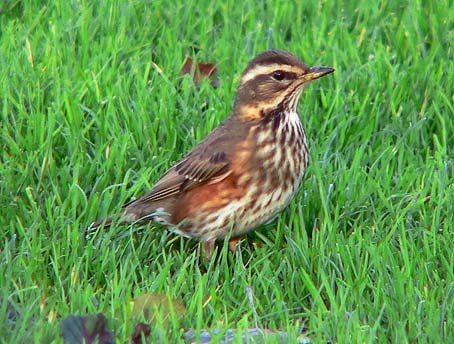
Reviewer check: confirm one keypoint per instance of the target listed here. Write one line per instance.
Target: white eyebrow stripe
(265, 69)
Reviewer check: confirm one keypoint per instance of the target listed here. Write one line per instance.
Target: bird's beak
(317, 72)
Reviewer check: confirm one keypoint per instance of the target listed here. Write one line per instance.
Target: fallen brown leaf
(200, 71)
(141, 331)
(149, 304)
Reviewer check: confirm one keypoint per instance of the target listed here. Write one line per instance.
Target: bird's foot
(233, 243)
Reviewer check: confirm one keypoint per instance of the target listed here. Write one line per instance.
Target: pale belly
(275, 182)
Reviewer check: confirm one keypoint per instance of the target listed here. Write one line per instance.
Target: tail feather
(91, 230)
(106, 223)
(128, 217)
(123, 218)
(120, 220)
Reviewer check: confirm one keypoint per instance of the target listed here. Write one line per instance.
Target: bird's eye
(278, 75)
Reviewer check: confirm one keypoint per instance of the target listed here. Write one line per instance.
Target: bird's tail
(91, 230)
(124, 218)
(127, 217)
(106, 223)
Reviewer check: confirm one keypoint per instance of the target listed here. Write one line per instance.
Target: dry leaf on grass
(200, 71)
(149, 304)
(140, 334)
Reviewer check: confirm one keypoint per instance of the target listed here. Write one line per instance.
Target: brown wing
(209, 162)
(189, 172)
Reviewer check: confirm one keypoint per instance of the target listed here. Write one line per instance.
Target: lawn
(93, 111)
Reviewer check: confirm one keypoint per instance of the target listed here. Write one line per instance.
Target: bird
(243, 173)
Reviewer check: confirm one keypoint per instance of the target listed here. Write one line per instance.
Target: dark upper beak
(317, 72)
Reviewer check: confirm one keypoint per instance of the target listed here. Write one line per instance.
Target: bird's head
(271, 80)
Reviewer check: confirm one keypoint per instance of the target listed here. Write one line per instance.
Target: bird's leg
(208, 248)
(233, 243)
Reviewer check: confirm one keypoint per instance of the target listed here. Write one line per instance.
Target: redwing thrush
(246, 170)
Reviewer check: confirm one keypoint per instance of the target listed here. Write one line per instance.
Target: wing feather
(186, 174)
(209, 162)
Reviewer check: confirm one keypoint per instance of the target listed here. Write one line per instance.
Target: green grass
(92, 113)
